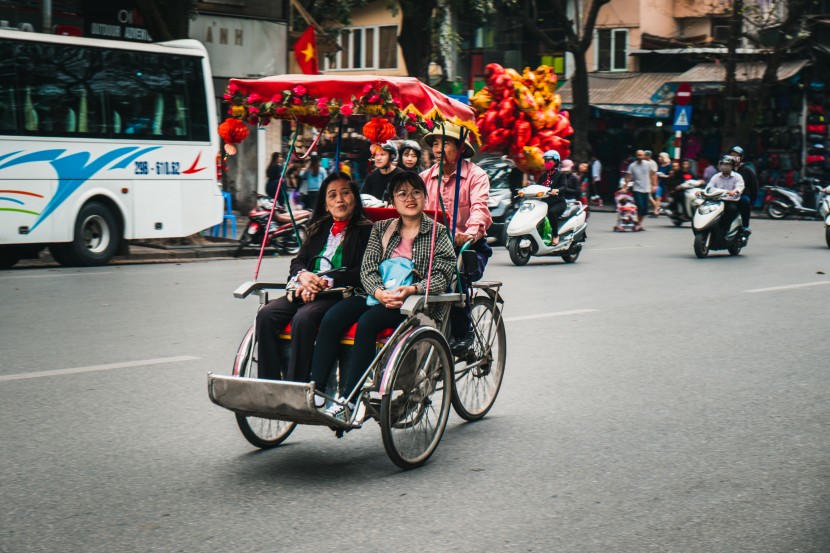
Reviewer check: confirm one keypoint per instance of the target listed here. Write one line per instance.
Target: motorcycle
(281, 235)
(824, 212)
(781, 202)
(707, 229)
(684, 211)
(528, 233)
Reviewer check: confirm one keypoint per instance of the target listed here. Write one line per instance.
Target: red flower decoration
(347, 109)
(374, 99)
(429, 124)
(299, 90)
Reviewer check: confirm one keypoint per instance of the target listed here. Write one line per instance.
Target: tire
(572, 254)
(414, 413)
(262, 433)
(677, 222)
(475, 388)
(244, 242)
(827, 235)
(776, 212)
(291, 247)
(701, 244)
(734, 249)
(518, 255)
(95, 238)
(9, 256)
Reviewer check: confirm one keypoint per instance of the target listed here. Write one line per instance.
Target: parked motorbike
(824, 213)
(683, 210)
(505, 180)
(528, 233)
(707, 229)
(781, 202)
(281, 235)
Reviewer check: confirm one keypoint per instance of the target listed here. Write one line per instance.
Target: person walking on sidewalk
(643, 173)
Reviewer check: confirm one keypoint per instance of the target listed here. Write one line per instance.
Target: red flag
(306, 51)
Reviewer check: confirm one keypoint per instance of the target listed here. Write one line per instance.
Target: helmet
(409, 145)
(727, 159)
(551, 154)
(393, 152)
(738, 150)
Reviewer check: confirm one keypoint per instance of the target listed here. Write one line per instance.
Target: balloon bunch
(518, 115)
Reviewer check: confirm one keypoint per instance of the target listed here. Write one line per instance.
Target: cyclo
(414, 378)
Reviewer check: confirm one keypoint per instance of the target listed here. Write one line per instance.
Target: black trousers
(729, 212)
(555, 210)
(370, 321)
(304, 319)
(745, 207)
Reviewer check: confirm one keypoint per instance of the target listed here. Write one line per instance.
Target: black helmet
(738, 150)
(409, 145)
(393, 152)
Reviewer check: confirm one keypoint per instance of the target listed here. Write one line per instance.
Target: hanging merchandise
(518, 115)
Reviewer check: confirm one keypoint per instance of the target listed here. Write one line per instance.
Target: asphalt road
(652, 402)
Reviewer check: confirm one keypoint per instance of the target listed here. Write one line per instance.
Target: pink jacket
(474, 193)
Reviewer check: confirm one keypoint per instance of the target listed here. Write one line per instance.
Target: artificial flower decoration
(378, 130)
(233, 131)
(519, 115)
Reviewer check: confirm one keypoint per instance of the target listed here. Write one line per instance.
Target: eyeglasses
(415, 194)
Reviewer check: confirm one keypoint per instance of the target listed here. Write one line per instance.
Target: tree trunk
(415, 37)
(731, 121)
(581, 115)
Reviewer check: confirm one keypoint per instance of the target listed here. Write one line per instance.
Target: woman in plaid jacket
(410, 238)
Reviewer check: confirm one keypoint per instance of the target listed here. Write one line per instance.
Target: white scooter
(370, 201)
(529, 228)
(683, 211)
(707, 229)
(824, 212)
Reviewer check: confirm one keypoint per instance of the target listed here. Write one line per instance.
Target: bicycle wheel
(478, 376)
(414, 413)
(262, 433)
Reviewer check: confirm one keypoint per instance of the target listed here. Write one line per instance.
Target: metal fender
(395, 357)
(526, 218)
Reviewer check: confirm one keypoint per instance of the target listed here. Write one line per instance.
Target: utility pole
(46, 7)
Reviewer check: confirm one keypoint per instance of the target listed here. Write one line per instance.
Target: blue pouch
(395, 272)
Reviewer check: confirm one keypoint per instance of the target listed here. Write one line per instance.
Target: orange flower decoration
(378, 130)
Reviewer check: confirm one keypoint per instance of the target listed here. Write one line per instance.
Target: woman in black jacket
(338, 234)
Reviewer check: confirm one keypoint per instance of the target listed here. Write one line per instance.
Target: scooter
(707, 229)
(781, 202)
(281, 233)
(370, 201)
(824, 212)
(683, 211)
(528, 233)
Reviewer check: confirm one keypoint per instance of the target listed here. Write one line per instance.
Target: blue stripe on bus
(129, 159)
(11, 200)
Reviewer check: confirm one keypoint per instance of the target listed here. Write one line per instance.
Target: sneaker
(339, 410)
(747, 231)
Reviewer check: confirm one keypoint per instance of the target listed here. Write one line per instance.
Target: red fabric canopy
(414, 95)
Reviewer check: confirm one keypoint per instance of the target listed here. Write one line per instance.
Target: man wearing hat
(474, 190)
(451, 143)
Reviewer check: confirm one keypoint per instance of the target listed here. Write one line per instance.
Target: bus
(102, 142)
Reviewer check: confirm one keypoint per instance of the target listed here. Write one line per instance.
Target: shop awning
(632, 94)
(745, 71)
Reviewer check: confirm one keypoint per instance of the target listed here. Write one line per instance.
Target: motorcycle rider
(561, 186)
(377, 181)
(750, 193)
(732, 183)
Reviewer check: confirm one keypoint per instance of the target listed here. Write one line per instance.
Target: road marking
(621, 248)
(546, 315)
(59, 274)
(93, 368)
(788, 287)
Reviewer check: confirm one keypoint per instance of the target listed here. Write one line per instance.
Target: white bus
(103, 142)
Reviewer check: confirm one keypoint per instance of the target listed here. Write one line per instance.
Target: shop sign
(116, 21)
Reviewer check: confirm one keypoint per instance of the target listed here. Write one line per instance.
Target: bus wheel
(95, 240)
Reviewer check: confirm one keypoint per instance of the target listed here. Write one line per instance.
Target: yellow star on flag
(309, 52)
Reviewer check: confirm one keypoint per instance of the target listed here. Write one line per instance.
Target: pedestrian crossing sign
(682, 118)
